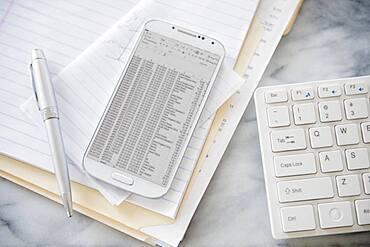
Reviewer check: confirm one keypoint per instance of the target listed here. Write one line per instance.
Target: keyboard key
(347, 134)
(355, 88)
(348, 185)
(277, 96)
(366, 180)
(330, 111)
(357, 158)
(288, 140)
(321, 137)
(356, 108)
(303, 94)
(278, 116)
(365, 129)
(329, 127)
(305, 189)
(297, 164)
(298, 218)
(363, 211)
(331, 161)
(304, 114)
(336, 214)
(328, 91)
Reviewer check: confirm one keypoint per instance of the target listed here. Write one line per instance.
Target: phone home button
(122, 178)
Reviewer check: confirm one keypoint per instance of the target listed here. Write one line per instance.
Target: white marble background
(331, 39)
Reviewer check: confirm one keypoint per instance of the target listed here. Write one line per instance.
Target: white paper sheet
(85, 86)
(274, 16)
(63, 29)
(277, 15)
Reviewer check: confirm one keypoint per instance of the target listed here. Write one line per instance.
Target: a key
(331, 161)
(354, 88)
(305, 189)
(366, 181)
(348, 185)
(278, 116)
(303, 94)
(298, 218)
(277, 96)
(304, 114)
(365, 129)
(336, 214)
(296, 164)
(363, 211)
(347, 134)
(357, 158)
(356, 108)
(321, 137)
(330, 111)
(328, 91)
(288, 140)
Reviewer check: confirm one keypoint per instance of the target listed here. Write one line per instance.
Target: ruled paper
(85, 85)
(63, 28)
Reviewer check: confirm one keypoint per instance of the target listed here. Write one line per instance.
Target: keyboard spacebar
(305, 189)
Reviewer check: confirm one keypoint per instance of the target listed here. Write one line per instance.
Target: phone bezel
(141, 186)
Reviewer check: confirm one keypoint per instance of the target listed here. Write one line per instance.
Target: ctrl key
(298, 218)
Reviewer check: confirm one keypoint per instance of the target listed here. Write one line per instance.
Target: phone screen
(144, 129)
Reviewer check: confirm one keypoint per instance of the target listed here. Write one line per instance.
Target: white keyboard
(315, 145)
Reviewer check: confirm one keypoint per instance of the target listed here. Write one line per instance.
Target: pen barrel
(58, 154)
(42, 83)
(49, 112)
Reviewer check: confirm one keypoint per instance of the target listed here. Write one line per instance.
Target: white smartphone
(152, 113)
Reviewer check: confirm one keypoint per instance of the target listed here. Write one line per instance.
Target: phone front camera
(173, 27)
(212, 43)
(202, 38)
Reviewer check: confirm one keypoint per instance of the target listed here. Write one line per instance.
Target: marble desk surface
(331, 39)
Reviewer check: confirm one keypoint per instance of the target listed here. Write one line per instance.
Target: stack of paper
(63, 29)
(84, 87)
(140, 223)
(274, 16)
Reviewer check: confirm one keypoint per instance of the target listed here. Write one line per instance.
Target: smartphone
(146, 127)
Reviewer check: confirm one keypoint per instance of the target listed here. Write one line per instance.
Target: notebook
(84, 87)
(63, 29)
(45, 26)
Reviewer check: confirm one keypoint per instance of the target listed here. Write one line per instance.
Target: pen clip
(34, 85)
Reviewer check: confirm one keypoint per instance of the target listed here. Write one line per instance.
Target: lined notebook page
(84, 87)
(63, 28)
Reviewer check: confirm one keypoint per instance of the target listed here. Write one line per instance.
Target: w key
(347, 134)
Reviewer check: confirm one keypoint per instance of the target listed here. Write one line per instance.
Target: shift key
(305, 189)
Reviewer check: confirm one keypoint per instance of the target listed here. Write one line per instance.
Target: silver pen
(45, 97)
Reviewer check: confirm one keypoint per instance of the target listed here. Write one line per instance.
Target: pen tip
(69, 214)
(67, 203)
